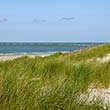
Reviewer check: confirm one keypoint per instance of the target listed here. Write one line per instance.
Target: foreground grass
(55, 82)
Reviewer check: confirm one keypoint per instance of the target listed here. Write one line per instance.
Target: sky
(54, 20)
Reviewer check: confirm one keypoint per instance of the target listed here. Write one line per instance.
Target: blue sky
(55, 20)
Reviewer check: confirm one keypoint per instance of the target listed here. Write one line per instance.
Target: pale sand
(104, 59)
(11, 57)
(102, 94)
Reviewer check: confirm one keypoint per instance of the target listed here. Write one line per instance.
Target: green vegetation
(54, 82)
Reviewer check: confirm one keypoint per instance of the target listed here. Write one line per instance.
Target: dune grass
(54, 82)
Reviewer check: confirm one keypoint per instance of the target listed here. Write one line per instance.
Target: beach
(11, 57)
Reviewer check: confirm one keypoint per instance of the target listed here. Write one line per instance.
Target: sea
(21, 48)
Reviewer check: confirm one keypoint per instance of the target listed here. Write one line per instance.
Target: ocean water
(41, 48)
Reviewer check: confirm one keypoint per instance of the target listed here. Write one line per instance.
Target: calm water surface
(41, 48)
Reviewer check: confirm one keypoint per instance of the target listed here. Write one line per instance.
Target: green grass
(54, 82)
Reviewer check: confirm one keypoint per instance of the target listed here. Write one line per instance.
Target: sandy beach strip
(11, 57)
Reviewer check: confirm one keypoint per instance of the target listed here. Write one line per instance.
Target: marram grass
(54, 82)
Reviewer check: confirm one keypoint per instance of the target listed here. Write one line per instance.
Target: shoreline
(12, 56)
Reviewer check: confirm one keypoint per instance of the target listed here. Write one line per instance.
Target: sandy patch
(104, 59)
(11, 57)
(96, 93)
